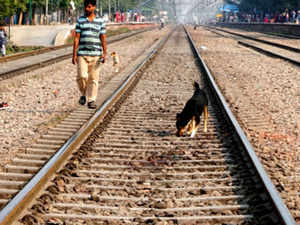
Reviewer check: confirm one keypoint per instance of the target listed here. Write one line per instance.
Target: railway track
(54, 48)
(12, 57)
(133, 170)
(273, 49)
(277, 30)
(258, 124)
(46, 56)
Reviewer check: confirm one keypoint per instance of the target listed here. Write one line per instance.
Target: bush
(13, 49)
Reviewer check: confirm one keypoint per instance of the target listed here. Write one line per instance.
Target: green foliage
(38, 3)
(125, 5)
(13, 49)
(9, 7)
(63, 4)
(4, 8)
(79, 4)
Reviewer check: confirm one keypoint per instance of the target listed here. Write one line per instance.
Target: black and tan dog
(190, 115)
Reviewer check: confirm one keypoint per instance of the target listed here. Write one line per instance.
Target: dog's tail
(196, 85)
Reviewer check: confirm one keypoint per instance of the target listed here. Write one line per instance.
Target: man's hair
(87, 2)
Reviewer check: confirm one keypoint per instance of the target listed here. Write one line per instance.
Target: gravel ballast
(294, 43)
(42, 98)
(264, 94)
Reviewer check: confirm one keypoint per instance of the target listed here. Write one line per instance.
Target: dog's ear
(178, 116)
(196, 85)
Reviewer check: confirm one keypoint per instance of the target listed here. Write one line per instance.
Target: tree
(4, 9)
(37, 4)
(10, 7)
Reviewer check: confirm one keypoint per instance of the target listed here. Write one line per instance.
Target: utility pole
(101, 9)
(30, 11)
(109, 10)
(139, 8)
(46, 12)
(97, 7)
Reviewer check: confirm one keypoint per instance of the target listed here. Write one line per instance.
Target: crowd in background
(121, 17)
(287, 16)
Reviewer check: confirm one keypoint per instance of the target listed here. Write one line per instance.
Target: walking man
(162, 23)
(2, 39)
(88, 52)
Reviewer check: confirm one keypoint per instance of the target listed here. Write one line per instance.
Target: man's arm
(4, 32)
(75, 48)
(104, 44)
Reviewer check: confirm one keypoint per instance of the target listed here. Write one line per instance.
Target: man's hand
(103, 58)
(103, 43)
(75, 59)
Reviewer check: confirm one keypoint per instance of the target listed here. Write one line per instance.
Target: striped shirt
(90, 43)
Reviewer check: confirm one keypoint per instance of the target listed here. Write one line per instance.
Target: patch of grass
(121, 30)
(13, 49)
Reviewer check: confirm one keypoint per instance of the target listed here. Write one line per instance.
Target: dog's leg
(190, 127)
(193, 126)
(205, 118)
(196, 126)
(182, 130)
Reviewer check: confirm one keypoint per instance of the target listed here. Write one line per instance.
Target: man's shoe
(3, 105)
(92, 105)
(82, 100)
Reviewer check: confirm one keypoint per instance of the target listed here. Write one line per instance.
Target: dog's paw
(193, 133)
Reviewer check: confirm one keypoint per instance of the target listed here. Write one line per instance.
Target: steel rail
(54, 48)
(283, 211)
(277, 55)
(14, 208)
(30, 53)
(242, 25)
(259, 40)
(261, 50)
(29, 68)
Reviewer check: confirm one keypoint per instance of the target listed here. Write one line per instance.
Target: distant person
(298, 17)
(70, 20)
(123, 17)
(128, 17)
(293, 16)
(286, 16)
(2, 39)
(88, 53)
(118, 17)
(135, 17)
(266, 19)
(162, 23)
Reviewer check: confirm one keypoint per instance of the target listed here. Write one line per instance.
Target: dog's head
(180, 125)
